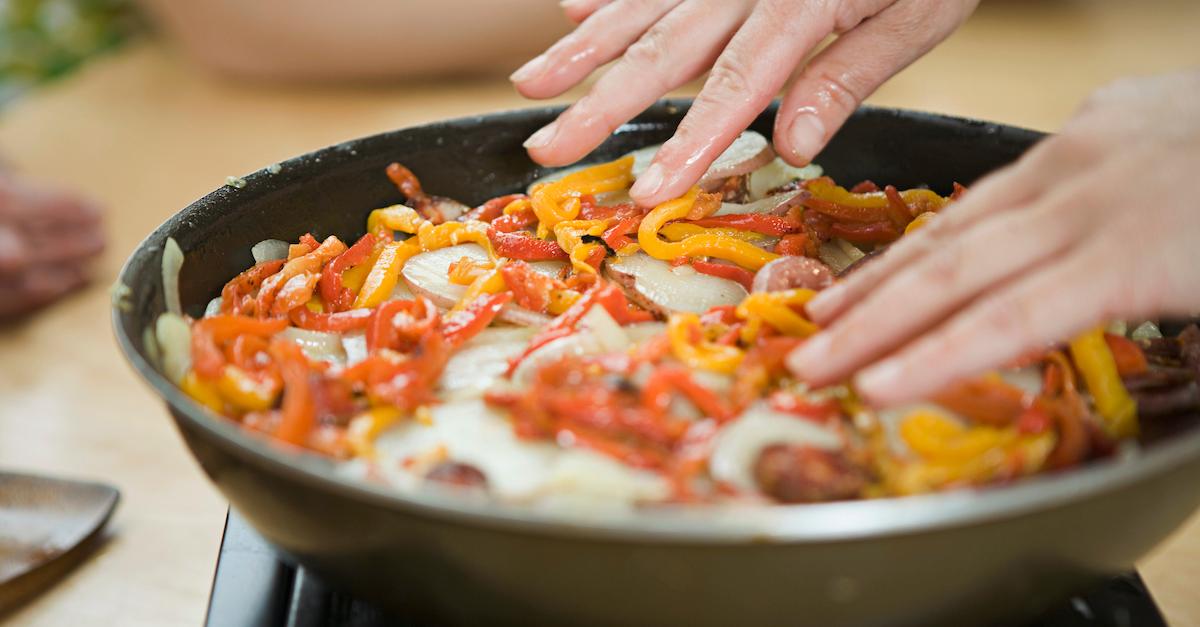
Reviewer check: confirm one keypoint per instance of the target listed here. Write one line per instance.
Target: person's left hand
(1099, 222)
(752, 46)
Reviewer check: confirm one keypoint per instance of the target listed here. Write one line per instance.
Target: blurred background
(137, 108)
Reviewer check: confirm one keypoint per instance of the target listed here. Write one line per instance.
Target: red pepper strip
(337, 297)
(1128, 355)
(245, 351)
(608, 295)
(465, 324)
(299, 415)
(337, 322)
(596, 257)
(512, 222)
(795, 244)
(756, 222)
(724, 271)
(719, 314)
(797, 405)
(762, 363)
(492, 209)
(385, 330)
(882, 232)
(866, 187)
(589, 210)
(209, 334)
(311, 262)
(898, 210)
(656, 394)
(988, 402)
(410, 186)
(530, 288)
(403, 382)
(524, 247)
(617, 235)
(237, 297)
(959, 190)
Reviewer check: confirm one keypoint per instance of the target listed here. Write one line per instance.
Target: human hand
(1099, 222)
(47, 239)
(752, 46)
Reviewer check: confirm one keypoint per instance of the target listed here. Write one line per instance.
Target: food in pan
(564, 344)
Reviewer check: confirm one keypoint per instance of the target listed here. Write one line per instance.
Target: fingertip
(884, 384)
(825, 305)
(800, 135)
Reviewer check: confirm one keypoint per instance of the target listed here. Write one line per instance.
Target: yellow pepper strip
(570, 234)
(204, 392)
(1095, 362)
(490, 282)
(517, 206)
(937, 437)
(692, 348)
(354, 278)
(677, 231)
(702, 245)
(561, 300)
(395, 218)
(381, 280)
(316, 304)
(433, 237)
(919, 221)
(244, 392)
(558, 201)
(925, 199)
(466, 270)
(775, 308)
(367, 426)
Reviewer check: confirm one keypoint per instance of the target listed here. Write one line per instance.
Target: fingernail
(876, 380)
(804, 360)
(806, 134)
(825, 301)
(531, 70)
(649, 182)
(543, 137)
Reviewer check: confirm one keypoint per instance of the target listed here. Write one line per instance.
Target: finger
(1040, 169)
(675, 50)
(918, 296)
(66, 245)
(579, 10)
(13, 252)
(743, 81)
(600, 39)
(40, 286)
(1032, 312)
(835, 82)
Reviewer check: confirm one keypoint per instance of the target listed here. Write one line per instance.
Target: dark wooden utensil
(47, 526)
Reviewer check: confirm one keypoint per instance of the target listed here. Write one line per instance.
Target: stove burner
(254, 589)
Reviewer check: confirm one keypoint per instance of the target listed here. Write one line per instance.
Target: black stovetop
(253, 588)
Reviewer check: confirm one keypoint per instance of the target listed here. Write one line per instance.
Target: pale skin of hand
(1098, 222)
(48, 240)
(750, 48)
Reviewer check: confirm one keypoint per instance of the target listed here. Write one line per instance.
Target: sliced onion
(1146, 331)
(174, 338)
(427, 274)
(269, 250)
(737, 445)
(580, 477)
(450, 209)
(354, 345)
(213, 308)
(1028, 380)
(172, 263)
(317, 345)
(839, 254)
(482, 362)
(658, 286)
(778, 173)
(472, 433)
(640, 332)
(774, 205)
(596, 334)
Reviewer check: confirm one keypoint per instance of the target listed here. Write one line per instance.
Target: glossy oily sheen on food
(1012, 550)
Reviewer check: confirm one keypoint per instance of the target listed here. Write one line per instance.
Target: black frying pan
(965, 557)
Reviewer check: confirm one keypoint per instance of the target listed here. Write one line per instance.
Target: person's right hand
(752, 46)
(47, 241)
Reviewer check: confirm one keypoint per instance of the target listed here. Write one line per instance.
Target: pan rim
(728, 525)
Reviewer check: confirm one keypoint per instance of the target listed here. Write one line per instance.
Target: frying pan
(957, 558)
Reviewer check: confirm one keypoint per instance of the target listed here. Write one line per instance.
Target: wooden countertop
(145, 133)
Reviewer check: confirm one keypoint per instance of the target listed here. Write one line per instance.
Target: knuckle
(1010, 318)
(650, 51)
(836, 86)
(731, 81)
(943, 268)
